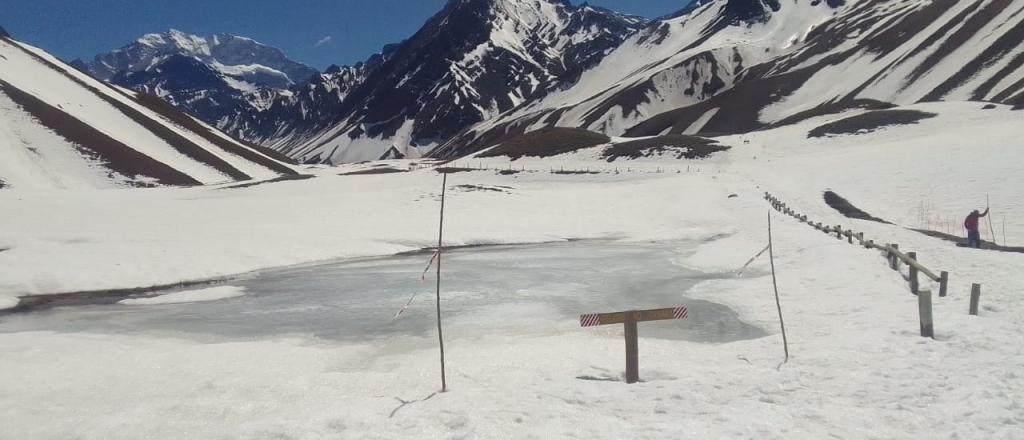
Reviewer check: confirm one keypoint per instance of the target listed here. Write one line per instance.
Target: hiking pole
(991, 230)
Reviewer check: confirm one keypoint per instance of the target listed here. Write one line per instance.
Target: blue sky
(315, 32)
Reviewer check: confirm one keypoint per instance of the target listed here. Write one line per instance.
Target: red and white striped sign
(592, 319)
(422, 279)
(751, 260)
(680, 313)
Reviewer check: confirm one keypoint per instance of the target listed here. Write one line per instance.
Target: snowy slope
(857, 368)
(62, 128)
(731, 66)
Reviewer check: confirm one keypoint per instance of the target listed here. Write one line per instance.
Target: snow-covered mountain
(470, 62)
(236, 57)
(216, 78)
(60, 128)
(732, 66)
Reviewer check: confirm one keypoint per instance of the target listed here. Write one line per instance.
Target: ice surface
(521, 290)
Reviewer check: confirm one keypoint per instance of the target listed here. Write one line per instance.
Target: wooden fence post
(915, 285)
(924, 306)
(839, 232)
(849, 236)
(975, 298)
(895, 259)
(943, 283)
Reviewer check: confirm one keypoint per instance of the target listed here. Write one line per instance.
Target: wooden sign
(629, 320)
(592, 319)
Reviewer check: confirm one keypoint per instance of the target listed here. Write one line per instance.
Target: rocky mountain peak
(234, 56)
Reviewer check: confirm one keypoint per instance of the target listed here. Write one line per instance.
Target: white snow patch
(190, 296)
(695, 127)
(8, 302)
(239, 85)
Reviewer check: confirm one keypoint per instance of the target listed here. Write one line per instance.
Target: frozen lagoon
(494, 290)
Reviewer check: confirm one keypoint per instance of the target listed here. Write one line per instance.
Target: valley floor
(858, 368)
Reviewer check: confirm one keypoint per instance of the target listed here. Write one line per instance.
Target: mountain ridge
(469, 62)
(733, 66)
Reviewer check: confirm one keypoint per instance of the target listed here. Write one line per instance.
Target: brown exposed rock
(868, 122)
(547, 142)
(833, 108)
(985, 88)
(684, 147)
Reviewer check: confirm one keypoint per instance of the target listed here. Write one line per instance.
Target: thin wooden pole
(775, 284)
(991, 230)
(943, 283)
(440, 233)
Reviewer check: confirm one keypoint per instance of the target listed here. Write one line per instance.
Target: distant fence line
(894, 255)
(510, 168)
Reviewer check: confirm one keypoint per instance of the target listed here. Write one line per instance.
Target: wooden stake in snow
(440, 233)
(975, 299)
(775, 284)
(924, 307)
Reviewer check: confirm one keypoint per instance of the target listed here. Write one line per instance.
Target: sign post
(628, 320)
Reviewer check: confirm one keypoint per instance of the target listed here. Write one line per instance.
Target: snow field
(858, 368)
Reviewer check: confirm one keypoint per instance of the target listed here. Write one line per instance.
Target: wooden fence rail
(893, 254)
